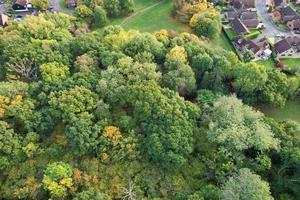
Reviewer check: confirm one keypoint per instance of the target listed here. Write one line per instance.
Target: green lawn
(155, 18)
(223, 42)
(230, 33)
(150, 18)
(269, 64)
(292, 63)
(291, 111)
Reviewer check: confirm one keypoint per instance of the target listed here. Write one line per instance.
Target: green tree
(10, 146)
(207, 24)
(167, 120)
(91, 194)
(54, 72)
(246, 185)
(237, 127)
(40, 4)
(100, 18)
(248, 56)
(58, 179)
(75, 100)
(84, 13)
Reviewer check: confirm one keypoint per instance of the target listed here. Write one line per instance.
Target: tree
(84, 13)
(145, 42)
(100, 18)
(237, 127)
(40, 4)
(277, 88)
(248, 56)
(58, 179)
(83, 134)
(10, 146)
(91, 194)
(54, 72)
(207, 24)
(127, 6)
(112, 7)
(75, 100)
(246, 185)
(178, 75)
(167, 120)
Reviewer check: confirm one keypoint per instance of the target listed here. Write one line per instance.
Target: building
(249, 19)
(283, 48)
(238, 26)
(71, 3)
(260, 49)
(3, 20)
(243, 4)
(278, 4)
(288, 14)
(294, 24)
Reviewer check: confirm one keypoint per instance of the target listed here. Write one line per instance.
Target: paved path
(127, 19)
(271, 30)
(58, 8)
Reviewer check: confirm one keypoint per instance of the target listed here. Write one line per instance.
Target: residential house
(239, 27)
(71, 3)
(278, 4)
(22, 5)
(231, 14)
(294, 24)
(243, 4)
(288, 14)
(249, 19)
(260, 49)
(283, 48)
(3, 20)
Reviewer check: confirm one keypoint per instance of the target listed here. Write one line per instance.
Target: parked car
(297, 32)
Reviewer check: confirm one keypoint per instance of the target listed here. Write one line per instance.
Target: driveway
(57, 8)
(271, 30)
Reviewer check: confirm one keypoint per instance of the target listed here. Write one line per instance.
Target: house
(239, 27)
(249, 19)
(283, 48)
(22, 5)
(288, 14)
(278, 4)
(294, 24)
(71, 3)
(231, 14)
(3, 20)
(243, 4)
(260, 49)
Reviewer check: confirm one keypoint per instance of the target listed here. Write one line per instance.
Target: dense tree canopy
(117, 114)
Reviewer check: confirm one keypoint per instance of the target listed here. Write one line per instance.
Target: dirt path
(127, 19)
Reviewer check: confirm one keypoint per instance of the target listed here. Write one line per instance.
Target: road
(271, 30)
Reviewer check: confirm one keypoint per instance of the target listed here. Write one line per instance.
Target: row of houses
(286, 14)
(26, 5)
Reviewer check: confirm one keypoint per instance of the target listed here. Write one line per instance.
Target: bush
(252, 35)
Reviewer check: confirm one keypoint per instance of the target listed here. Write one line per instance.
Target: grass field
(292, 63)
(223, 42)
(269, 64)
(291, 111)
(151, 16)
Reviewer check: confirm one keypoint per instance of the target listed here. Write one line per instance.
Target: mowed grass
(290, 112)
(223, 42)
(292, 63)
(269, 64)
(155, 18)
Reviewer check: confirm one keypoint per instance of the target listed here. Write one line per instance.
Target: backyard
(289, 112)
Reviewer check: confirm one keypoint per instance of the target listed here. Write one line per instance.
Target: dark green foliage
(91, 194)
(167, 121)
